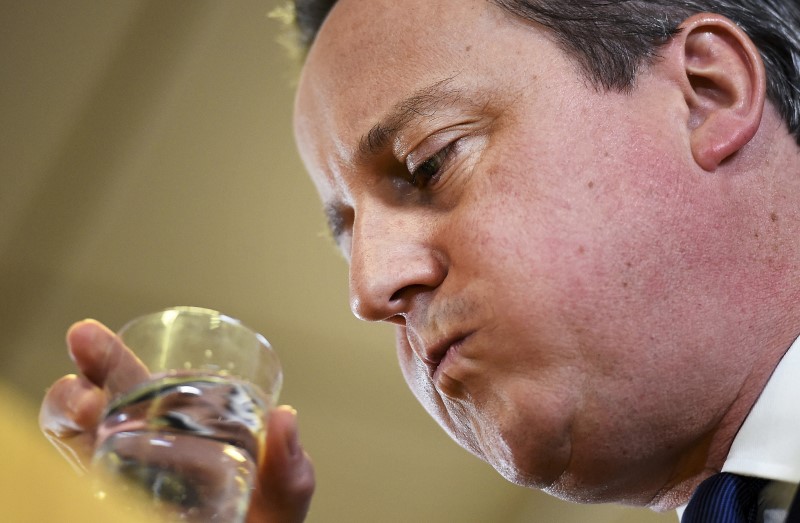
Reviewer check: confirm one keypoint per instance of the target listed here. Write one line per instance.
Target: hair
(612, 39)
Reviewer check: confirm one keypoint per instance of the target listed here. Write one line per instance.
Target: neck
(769, 298)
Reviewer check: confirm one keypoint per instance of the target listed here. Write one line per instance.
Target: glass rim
(197, 311)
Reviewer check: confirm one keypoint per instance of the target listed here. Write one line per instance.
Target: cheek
(583, 214)
(577, 256)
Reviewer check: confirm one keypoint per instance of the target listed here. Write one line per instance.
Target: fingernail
(288, 408)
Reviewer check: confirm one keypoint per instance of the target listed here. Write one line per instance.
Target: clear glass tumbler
(185, 425)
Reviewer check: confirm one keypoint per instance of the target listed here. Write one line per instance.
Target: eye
(428, 171)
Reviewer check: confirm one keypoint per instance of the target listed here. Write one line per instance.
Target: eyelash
(438, 161)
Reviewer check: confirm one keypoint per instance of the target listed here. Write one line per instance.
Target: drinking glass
(185, 426)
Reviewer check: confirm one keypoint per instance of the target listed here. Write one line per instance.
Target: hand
(72, 408)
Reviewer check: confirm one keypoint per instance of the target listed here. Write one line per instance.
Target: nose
(392, 262)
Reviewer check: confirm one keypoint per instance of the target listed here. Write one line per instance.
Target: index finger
(103, 359)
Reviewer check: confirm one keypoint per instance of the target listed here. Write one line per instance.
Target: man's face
(541, 246)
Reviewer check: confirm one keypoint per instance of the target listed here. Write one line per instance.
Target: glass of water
(188, 432)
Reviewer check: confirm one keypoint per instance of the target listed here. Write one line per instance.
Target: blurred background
(147, 161)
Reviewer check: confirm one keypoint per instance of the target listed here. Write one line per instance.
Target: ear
(725, 87)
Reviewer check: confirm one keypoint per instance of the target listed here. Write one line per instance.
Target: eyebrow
(422, 103)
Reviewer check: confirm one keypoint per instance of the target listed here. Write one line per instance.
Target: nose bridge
(390, 261)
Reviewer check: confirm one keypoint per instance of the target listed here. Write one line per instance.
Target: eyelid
(430, 147)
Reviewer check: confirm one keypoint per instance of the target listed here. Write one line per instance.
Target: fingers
(287, 476)
(72, 407)
(69, 415)
(101, 356)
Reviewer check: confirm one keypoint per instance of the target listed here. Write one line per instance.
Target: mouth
(435, 355)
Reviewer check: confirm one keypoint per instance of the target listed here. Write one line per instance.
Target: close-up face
(534, 240)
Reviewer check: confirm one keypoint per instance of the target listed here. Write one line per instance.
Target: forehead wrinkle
(423, 103)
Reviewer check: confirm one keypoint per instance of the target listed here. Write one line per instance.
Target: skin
(572, 288)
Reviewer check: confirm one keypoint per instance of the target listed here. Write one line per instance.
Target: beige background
(147, 161)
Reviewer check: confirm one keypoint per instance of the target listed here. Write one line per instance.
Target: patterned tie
(725, 498)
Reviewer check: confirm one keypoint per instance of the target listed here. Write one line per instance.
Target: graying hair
(612, 39)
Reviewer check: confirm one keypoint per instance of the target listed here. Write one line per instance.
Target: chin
(522, 478)
(528, 465)
(552, 469)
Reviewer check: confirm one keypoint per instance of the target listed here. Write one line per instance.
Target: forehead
(379, 42)
(370, 56)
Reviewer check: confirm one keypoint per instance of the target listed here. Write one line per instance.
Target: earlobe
(725, 87)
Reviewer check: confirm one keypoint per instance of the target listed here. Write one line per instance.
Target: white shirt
(768, 442)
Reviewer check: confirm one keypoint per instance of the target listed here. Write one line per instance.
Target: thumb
(286, 478)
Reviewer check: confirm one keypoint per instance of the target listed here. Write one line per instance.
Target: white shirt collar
(768, 442)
